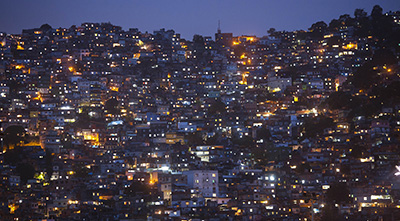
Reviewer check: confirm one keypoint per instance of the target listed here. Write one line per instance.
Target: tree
(359, 14)
(376, 12)
(358, 151)
(259, 155)
(14, 135)
(334, 25)
(49, 162)
(194, 139)
(314, 126)
(15, 87)
(331, 213)
(245, 141)
(138, 188)
(13, 157)
(303, 167)
(271, 31)
(72, 28)
(218, 107)
(80, 170)
(384, 57)
(111, 106)
(318, 29)
(83, 120)
(292, 72)
(45, 27)
(346, 19)
(25, 171)
(342, 100)
(363, 26)
(263, 133)
(338, 193)
(367, 75)
(198, 39)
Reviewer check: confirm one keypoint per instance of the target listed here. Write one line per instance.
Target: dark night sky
(187, 17)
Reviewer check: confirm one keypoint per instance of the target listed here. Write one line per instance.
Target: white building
(206, 181)
(276, 84)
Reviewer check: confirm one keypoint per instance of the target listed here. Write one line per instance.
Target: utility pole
(312, 210)
(311, 197)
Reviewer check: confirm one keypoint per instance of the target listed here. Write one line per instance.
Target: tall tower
(218, 35)
(223, 38)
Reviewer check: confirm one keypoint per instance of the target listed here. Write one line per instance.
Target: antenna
(219, 26)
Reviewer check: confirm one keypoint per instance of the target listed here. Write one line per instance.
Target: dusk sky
(187, 17)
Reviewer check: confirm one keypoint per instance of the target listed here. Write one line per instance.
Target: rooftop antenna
(219, 26)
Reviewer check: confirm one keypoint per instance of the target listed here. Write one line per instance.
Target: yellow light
(276, 90)
(350, 46)
(19, 47)
(238, 213)
(19, 67)
(12, 207)
(140, 43)
(73, 201)
(40, 176)
(244, 80)
(92, 137)
(39, 97)
(71, 69)
(114, 88)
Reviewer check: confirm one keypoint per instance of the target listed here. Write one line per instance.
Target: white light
(398, 171)
(165, 168)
